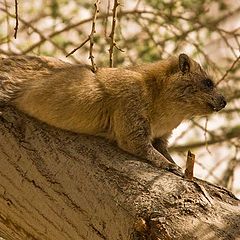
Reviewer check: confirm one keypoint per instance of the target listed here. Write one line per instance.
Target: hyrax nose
(223, 102)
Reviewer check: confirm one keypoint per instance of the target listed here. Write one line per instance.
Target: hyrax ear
(184, 63)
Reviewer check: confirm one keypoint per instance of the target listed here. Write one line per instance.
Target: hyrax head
(196, 90)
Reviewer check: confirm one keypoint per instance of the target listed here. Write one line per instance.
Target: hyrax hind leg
(132, 131)
(161, 145)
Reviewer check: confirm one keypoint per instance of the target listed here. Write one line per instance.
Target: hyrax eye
(208, 83)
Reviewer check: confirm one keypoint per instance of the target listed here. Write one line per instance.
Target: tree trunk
(57, 185)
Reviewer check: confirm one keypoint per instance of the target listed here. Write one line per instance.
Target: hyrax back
(137, 107)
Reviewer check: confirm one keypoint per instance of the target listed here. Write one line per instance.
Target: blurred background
(146, 31)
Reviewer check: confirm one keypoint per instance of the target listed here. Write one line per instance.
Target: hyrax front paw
(171, 167)
(174, 168)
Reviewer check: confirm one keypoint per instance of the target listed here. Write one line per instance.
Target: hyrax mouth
(217, 107)
(212, 107)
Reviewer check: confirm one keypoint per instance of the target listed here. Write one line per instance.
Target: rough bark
(60, 185)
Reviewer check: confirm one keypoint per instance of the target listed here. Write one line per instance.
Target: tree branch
(60, 185)
(57, 181)
(231, 134)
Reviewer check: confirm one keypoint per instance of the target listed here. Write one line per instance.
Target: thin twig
(229, 70)
(189, 166)
(112, 41)
(106, 20)
(96, 5)
(228, 175)
(16, 15)
(75, 49)
(205, 135)
(90, 38)
(8, 26)
(211, 134)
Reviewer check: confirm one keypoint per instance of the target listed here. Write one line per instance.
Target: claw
(174, 168)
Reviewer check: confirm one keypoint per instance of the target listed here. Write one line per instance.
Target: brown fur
(137, 107)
